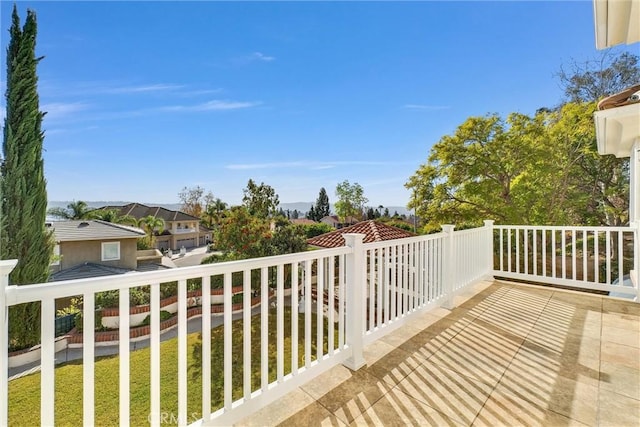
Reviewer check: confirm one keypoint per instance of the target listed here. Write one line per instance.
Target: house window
(110, 251)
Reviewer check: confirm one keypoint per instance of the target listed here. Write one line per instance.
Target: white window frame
(107, 244)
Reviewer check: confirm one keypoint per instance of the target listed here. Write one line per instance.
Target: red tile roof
(373, 231)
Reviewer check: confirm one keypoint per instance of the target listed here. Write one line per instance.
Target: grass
(24, 393)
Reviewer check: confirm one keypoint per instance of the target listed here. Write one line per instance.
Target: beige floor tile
(324, 383)
(513, 411)
(621, 354)
(536, 364)
(620, 379)
(278, 411)
(627, 337)
(618, 411)
(579, 299)
(455, 395)
(353, 397)
(610, 305)
(394, 367)
(313, 415)
(426, 343)
(478, 352)
(622, 321)
(398, 409)
(572, 399)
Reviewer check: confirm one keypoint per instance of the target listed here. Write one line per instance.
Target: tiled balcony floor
(507, 355)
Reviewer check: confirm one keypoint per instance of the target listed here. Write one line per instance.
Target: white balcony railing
(353, 294)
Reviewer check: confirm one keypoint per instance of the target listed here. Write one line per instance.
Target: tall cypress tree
(23, 235)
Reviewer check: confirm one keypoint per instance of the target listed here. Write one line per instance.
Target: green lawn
(24, 393)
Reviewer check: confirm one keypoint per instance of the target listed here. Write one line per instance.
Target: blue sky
(144, 98)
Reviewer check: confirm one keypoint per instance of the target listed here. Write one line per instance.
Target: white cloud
(425, 107)
(213, 105)
(60, 110)
(262, 57)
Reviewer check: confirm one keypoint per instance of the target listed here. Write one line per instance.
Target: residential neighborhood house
(180, 229)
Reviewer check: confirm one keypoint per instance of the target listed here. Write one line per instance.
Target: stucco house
(180, 229)
(334, 221)
(88, 248)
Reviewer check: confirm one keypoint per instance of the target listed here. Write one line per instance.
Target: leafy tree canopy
(351, 200)
(260, 200)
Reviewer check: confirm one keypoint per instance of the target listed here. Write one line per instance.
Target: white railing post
(6, 267)
(355, 300)
(488, 223)
(448, 268)
(635, 274)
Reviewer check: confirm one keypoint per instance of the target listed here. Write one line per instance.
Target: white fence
(361, 292)
(595, 258)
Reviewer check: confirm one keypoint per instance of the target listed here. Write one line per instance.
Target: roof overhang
(616, 22)
(617, 129)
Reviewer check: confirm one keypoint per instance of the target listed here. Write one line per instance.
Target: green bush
(164, 315)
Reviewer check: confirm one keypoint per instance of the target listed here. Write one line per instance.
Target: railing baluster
(320, 309)
(394, 289)
(331, 307)
(295, 300)
(535, 251)
(228, 344)
(526, 251)
(553, 253)
(608, 256)
(544, 253)
(205, 302)
(573, 254)
(517, 250)
(307, 313)
(509, 250)
(154, 343)
(123, 336)
(341, 286)
(563, 239)
(379, 289)
(620, 258)
(182, 352)
(47, 362)
(264, 328)
(280, 322)
(246, 333)
(88, 359)
(596, 256)
(370, 260)
(585, 254)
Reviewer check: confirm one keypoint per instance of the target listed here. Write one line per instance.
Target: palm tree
(152, 226)
(213, 214)
(74, 210)
(113, 216)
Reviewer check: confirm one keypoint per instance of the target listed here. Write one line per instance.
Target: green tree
(488, 169)
(351, 200)
(22, 186)
(322, 207)
(74, 210)
(597, 78)
(153, 226)
(213, 213)
(113, 216)
(194, 200)
(313, 230)
(260, 200)
(242, 235)
(286, 238)
(603, 178)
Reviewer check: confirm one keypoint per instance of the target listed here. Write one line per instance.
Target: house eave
(616, 22)
(617, 129)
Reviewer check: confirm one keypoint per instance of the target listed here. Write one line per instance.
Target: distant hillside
(301, 207)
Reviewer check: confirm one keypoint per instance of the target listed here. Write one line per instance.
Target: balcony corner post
(6, 267)
(355, 301)
(447, 274)
(488, 223)
(635, 274)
